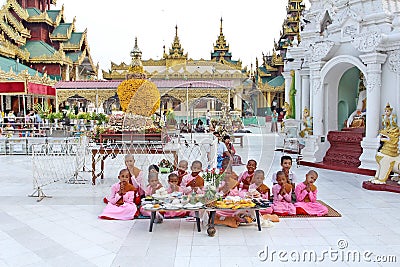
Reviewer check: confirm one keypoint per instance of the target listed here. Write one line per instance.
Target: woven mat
(331, 213)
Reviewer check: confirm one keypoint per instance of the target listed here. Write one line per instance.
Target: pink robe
(124, 212)
(312, 207)
(282, 204)
(245, 180)
(187, 189)
(180, 189)
(138, 182)
(180, 177)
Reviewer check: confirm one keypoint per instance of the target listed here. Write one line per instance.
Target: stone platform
(345, 149)
(390, 186)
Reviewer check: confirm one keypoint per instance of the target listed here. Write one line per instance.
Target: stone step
(345, 148)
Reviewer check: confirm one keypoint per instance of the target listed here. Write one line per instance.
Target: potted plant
(58, 116)
(102, 118)
(51, 117)
(82, 116)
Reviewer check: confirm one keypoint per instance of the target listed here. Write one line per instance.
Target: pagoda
(41, 39)
(181, 79)
(268, 75)
(38, 47)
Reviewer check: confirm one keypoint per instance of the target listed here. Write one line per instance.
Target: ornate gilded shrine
(98, 95)
(41, 38)
(268, 75)
(184, 78)
(37, 48)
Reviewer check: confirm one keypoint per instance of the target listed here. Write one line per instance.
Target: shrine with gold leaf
(186, 85)
(217, 81)
(269, 76)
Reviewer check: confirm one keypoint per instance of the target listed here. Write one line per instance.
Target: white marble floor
(64, 230)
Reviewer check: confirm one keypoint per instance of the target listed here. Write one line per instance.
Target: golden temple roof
(176, 51)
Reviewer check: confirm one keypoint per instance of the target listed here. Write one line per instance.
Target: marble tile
(65, 231)
(201, 261)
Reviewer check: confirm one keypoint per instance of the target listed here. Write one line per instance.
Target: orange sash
(247, 180)
(307, 198)
(263, 189)
(198, 181)
(288, 187)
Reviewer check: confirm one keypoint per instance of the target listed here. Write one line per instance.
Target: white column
(370, 143)
(299, 93)
(305, 90)
(288, 82)
(317, 90)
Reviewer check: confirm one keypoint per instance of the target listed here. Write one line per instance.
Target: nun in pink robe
(308, 200)
(126, 211)
(282, 204)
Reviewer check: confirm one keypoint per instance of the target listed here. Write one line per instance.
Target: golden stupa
(137, 95)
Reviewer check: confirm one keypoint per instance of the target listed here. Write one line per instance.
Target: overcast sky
(250, 27)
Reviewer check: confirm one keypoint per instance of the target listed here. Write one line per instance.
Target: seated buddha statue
(389, 120)
(360, 111)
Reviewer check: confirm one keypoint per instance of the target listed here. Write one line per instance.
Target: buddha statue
(389, 120)
(357, 118)
(360, 111)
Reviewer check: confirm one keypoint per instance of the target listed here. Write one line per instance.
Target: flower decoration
(139, 96)
(213, 177)
(126, 90)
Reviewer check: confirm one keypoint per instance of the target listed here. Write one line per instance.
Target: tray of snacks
(152, 206)
(161, 194)
(235, 204)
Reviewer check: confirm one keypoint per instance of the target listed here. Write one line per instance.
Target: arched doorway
(336, 77)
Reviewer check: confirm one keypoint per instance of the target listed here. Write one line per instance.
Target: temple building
(193, 85)
(268, 75)
(346, 46)
(37, 48)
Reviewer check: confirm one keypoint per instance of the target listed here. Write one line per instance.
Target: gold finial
(388, 107)
(176, 30)
(220, 28)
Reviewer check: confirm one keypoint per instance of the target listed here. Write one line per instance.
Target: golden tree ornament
(126, 90)
(139, 96)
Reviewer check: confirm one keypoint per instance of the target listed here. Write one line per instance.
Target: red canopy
(41, 89)
(33, 88)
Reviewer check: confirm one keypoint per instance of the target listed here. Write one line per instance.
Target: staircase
(345, 148)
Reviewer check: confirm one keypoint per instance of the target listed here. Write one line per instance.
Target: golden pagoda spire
(136, 67)
(176, 51)
(220, 28)
(221, 48)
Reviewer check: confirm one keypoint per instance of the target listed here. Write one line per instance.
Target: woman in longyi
(120, 204)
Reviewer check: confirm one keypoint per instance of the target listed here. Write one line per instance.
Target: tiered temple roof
(268, 74)
(42, 39)
(177, 65)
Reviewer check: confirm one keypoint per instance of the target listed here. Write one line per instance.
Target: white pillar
(305, 90)
(317, 90)
(370, 143)
(288, 82)
(299, 92)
